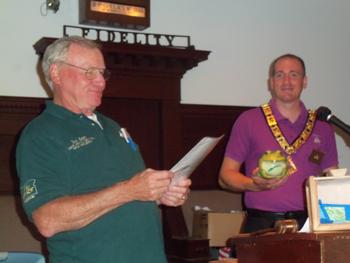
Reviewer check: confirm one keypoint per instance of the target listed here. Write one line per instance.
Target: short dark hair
(292, 56)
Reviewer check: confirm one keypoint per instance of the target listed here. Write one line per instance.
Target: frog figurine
(273, 164)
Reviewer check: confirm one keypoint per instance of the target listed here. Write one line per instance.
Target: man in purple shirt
(308, 143)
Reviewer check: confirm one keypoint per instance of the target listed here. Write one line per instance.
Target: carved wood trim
(143, 59)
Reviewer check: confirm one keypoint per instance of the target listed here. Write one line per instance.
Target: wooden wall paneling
(15, 113)
(8, 183)
(141, 118)
(207, 120)
(162, 95)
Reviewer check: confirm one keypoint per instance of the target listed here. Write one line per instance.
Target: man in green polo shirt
(83, 181)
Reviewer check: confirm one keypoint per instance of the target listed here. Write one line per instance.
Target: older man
(83, 180)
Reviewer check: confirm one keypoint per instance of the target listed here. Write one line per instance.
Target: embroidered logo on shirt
(29, 190)
(80, 142)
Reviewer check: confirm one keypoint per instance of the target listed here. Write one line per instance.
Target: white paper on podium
(187, 164)
(306, 227)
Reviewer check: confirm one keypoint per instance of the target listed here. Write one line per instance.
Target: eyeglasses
(91, 73)
(293, 75)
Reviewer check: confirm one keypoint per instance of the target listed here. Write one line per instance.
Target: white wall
(243, 35)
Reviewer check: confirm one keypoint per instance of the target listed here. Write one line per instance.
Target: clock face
(113, 13)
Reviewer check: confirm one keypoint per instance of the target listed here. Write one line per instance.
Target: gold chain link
(304, 135)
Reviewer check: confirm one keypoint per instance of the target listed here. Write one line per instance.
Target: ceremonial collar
(278, 135)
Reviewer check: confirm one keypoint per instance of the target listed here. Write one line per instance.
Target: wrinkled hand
(150, 185)
(176, 194)
(266, 184)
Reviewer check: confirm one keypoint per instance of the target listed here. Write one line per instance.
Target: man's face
(288, 81)
(74, 89)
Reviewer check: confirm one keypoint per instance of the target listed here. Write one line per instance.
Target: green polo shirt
(61, 153)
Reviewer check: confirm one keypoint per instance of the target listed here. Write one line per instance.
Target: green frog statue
(272, 165)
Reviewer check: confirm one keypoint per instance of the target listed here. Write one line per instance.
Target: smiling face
(288, 80)
(73, 89)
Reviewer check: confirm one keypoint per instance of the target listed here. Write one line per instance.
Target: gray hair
(57, 51)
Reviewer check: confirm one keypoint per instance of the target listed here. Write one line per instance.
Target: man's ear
(269, 84)
(305, 82)
(54, 74)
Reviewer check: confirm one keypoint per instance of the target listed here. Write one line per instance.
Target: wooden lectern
(326, 247)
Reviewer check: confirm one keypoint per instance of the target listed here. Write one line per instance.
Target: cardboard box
(328, 203)
(217, 227)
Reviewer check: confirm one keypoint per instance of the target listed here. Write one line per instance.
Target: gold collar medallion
(277, 133)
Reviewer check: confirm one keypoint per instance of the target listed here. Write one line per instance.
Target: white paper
(338, 172)
(185, 167)
(306, 227)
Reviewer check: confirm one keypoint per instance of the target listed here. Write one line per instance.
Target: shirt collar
(59, 111)
(279, 117)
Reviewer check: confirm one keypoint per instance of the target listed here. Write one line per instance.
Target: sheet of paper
(306, 227)
(194, 157)
(338, 172)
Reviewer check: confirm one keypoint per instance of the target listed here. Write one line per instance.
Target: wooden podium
(326, 247)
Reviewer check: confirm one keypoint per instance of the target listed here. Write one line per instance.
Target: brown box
(185, 249)
(332, 247)
(217, 227)
(323, 194)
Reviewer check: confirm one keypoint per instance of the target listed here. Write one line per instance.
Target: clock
(129, 14)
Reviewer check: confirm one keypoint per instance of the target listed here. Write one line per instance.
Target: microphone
(325, 114)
